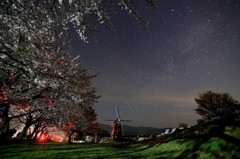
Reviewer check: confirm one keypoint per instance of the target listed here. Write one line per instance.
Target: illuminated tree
(212, 105)
(39, 80)
(56, 88)
(23, 18)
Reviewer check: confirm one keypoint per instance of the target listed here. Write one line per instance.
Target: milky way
(153, 76)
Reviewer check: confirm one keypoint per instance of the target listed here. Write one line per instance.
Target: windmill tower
(117, 129)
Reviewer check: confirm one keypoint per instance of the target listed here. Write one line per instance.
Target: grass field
(217, 139)
(214, 148)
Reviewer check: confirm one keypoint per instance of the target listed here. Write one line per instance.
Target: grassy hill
(215, 139)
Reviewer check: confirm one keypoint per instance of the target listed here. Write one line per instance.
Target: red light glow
(42, 137)
(50, 107)
(56, 138)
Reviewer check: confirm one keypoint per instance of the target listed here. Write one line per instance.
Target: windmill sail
(117, 128)
(117, 112)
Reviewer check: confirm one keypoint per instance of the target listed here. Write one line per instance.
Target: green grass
(217, 139)
(66, 151)
(213, 148)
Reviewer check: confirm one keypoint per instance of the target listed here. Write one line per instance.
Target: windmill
(117, 129)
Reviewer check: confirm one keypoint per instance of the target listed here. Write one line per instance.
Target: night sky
(153, 76)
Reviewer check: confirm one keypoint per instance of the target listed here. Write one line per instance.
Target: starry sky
(154, 75)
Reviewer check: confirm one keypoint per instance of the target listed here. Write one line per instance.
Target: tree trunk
(4, 129)
(35, 132)
(23, 134)
(70, 137)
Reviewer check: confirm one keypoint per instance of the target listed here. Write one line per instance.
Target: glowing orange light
(42, 137)
(56, 138)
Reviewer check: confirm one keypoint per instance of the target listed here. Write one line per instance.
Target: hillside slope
(215, 139)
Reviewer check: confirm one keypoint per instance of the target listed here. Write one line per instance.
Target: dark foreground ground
(217, 139)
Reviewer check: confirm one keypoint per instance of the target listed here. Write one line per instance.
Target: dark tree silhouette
(184, 125)
(211, 104)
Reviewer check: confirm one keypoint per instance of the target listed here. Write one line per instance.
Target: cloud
(149, 99)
